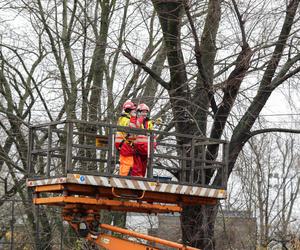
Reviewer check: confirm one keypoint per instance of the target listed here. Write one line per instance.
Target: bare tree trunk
(197, 221)
(98, 64)
(198, 225)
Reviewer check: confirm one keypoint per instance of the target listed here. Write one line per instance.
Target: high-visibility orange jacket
(145, 123)
(141, 145)
(142, 141)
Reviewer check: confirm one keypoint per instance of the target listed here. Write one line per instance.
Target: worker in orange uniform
(141, 142)
(124, 141)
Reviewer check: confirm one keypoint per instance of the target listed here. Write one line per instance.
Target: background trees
(269, 176)
(209, 66)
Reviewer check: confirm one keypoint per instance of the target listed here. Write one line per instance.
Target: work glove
(158, 121)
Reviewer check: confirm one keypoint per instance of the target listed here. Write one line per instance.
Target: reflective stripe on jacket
(142, 141)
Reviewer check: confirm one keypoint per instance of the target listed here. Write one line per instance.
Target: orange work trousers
(126, 164)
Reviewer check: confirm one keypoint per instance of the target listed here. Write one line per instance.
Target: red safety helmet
(129, 105)
(143, 107)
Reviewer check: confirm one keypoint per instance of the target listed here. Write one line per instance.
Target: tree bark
(170, 17)
(197, 223)
(98, 64)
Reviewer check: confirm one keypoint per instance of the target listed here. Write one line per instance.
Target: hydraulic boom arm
(86, 224)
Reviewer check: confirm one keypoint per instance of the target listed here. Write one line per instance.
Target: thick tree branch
(170, 15)
(283, 75)
(232, 86)
(242, 130)
(66, 41)
(13, 190)
(127, 92)
(271, 130)
(98, 62)
(233, 83)
(111, 77)
(41, 16)
(201, 69)
(137, 62)
(151, 86)
(4, 150)
(241, 22)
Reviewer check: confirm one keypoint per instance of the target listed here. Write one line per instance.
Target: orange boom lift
(80, 177)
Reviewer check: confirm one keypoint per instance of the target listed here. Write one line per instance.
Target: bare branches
(241, 22)
(280, 44)
(137, 62)
(241, 131)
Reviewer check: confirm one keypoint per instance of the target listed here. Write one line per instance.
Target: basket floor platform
(119, 193)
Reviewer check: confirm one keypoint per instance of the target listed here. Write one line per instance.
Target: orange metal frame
(115, 205)
(69, 189)
(82, 204)
(116, 199)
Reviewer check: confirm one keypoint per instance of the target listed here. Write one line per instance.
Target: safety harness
(125, 139)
